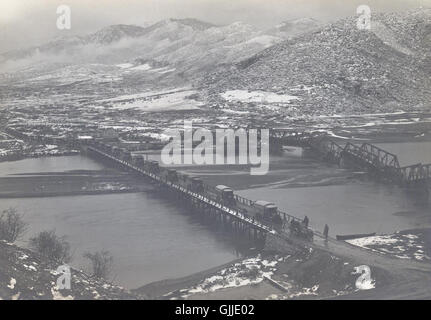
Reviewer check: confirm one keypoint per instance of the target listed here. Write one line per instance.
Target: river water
(354, 205)
(152, 238)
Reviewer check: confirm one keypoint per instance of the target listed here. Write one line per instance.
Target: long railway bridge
(379, 162)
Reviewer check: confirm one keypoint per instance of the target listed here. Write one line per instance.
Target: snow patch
(56, 295)
(257, 96)
(124, 65)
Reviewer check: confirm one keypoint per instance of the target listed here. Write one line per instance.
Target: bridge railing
(288, 217)
(383, 157)
(416, 172)
(243, 200)
(373, 155)
(335, 148)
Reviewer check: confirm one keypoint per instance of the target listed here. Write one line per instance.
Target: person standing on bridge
(305, 221)
(325, 232)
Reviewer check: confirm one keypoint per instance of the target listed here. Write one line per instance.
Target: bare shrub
(51, 246)
(12, 225)
(101, 263)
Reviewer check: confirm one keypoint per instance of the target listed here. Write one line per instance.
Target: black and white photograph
(237, 150)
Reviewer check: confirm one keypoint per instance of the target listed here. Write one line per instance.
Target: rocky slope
(294, 27)
(186, 45)
(25, 276)
(341, 69)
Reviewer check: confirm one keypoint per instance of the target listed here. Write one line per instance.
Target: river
(152, 238)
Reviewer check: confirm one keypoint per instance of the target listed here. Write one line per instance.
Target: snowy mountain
(113, 34)
(341, 69)
(291, 28)
(104, 36)
(188, 45)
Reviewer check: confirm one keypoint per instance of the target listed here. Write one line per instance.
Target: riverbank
(162, 288)
(310, 274)
(34, 155)
(69, 183)
(63, 194)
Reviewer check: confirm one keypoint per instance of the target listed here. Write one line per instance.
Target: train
(263, 211)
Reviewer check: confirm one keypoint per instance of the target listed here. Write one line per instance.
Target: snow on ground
(145, 94)
(73, 74)
(124, 65)
(157, 102)
(56, 295)
(142, 67)
(247, 272)
(145, 67)
(399, 245)
(257, 96)
(166, 70)
(264, 40)
(375, 240)
(157, 136)
(235, 112)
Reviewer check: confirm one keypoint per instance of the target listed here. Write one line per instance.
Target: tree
(51, 246)
(12, 225)
(101, 263)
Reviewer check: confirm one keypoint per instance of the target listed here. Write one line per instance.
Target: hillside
(339, 68)
(185, 46)
(25, 276)
(294, 27)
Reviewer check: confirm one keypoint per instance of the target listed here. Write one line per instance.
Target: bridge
(381, 163)
(239, 216)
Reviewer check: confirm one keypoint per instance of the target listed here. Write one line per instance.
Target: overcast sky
(29, 22)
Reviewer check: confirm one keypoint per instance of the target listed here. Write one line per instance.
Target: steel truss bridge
(366, 156)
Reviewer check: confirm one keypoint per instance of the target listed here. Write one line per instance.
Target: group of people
(325, 229)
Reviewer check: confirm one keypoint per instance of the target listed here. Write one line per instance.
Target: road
(412, 278)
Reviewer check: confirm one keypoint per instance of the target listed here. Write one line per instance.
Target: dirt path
(412, 278)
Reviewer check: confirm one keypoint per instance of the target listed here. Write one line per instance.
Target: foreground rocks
(25, 276)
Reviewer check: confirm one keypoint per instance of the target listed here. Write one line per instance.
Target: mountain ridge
(347, 68)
